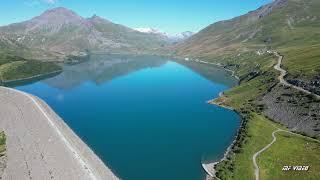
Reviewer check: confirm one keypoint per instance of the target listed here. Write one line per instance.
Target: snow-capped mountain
(149, 30)
(170, 37)
(184, 35)
(62, 32)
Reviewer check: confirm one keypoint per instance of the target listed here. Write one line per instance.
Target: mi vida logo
(295, 168)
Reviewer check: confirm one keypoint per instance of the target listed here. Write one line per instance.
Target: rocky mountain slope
(278, 24)
(61, 32)
(243, 44)
(289, 26)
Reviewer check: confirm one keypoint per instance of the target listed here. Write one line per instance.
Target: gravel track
(283, 73)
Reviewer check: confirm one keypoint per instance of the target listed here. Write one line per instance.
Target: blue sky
(171, 16)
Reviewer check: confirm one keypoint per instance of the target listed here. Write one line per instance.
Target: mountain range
(280, 23)
(286, 25)
(61, 32)
(245, 45)
(290, 26)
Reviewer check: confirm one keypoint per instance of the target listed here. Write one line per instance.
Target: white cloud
(51, 1)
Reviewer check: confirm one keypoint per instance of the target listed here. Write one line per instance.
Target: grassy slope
(302, 62)
(47, 45)
(292, 29)
(255, 140)
(300, 42)
(12, 67)
(287, 150)
(291, 150)
(257, 130)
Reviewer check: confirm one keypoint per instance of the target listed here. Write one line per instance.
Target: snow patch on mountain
(171, 37)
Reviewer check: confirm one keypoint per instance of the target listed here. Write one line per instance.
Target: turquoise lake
(145, 117)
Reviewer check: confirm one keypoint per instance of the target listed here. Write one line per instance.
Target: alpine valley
(274, 52)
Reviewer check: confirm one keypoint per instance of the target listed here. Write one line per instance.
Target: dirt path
(40, 145)
(209, 167)
(283, 73)
(254, 157)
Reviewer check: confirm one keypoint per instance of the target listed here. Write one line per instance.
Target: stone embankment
(40, 145)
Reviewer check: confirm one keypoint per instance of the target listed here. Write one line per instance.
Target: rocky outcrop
(312, 86)
(267, 9)
(294, 109)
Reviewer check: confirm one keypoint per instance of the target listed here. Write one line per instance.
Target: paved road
(40, 145)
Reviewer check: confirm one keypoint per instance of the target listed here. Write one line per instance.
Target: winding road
(254, 157)
(283, 73)
(281, 79)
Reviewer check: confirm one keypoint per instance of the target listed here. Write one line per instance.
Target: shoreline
(220, 103)
(64, 154)
(205, 62)
(219, 65)
(210, 167)
(204, 165)
(212, 175)
(30, 78)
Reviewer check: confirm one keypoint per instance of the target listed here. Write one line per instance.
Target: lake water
(145, 117)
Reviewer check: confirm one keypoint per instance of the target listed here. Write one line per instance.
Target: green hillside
(291, 27)
(60, 34)
(14, 67)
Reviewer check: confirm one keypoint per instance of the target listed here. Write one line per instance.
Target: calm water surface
(145, 117)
